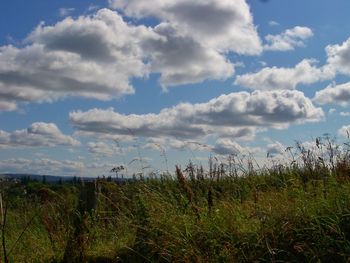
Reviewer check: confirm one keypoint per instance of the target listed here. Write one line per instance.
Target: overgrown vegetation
(298, 211)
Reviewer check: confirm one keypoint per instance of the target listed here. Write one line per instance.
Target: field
(234, 211)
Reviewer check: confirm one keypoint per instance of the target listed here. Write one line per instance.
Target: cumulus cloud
(334, 94)
(226, 146)
(39, 134)
(188, 145)
(289, 39)
(220, 24)
(196, 37)
(305, 72)
(97, 56)
(180, 59)
(338, 57)
(236, 110)
(91, 56)
(222, 146)
(338, 62)
(41, 166)
(272, 78)
(101, 148)
(158, 144)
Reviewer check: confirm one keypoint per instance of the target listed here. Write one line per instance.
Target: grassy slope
(286, 214)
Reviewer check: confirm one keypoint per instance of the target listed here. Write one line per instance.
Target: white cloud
(7, 106)
(305, 72)
(65, 11)
(275, 148)
(98, 165)
(97, 56)
(39, 134)
(223, 25)
(331, 111)
(239, 110)
(180, 59)
(41, 166)
(344, 131)
(289, 39)
(272, 78)
(334, 94)
(197, 36)
(188, 145)
(158, 144)
(91, 56)
(222, 146)
(262, 63)
(105, 136)
(273, 23)
(101, 148)
(92, 7)
(226, 146)
(338, 57)
(344, 113)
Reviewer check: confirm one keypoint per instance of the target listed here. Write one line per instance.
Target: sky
(89, 85)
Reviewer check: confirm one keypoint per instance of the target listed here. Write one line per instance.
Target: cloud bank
(42, 166)
(223, 25)
(97, 56)
(273, 78)
(239, 113)
(334, 94)
(39, 134)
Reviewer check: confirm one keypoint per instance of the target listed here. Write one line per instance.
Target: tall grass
(297, 210)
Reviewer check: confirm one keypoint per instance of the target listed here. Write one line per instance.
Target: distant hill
(53, 178)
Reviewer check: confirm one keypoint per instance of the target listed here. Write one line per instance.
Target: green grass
(294, 213)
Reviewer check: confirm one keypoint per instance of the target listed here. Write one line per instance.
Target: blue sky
(88, 85)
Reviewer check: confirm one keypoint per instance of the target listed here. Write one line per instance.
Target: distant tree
(25, 180)
(74, 180)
